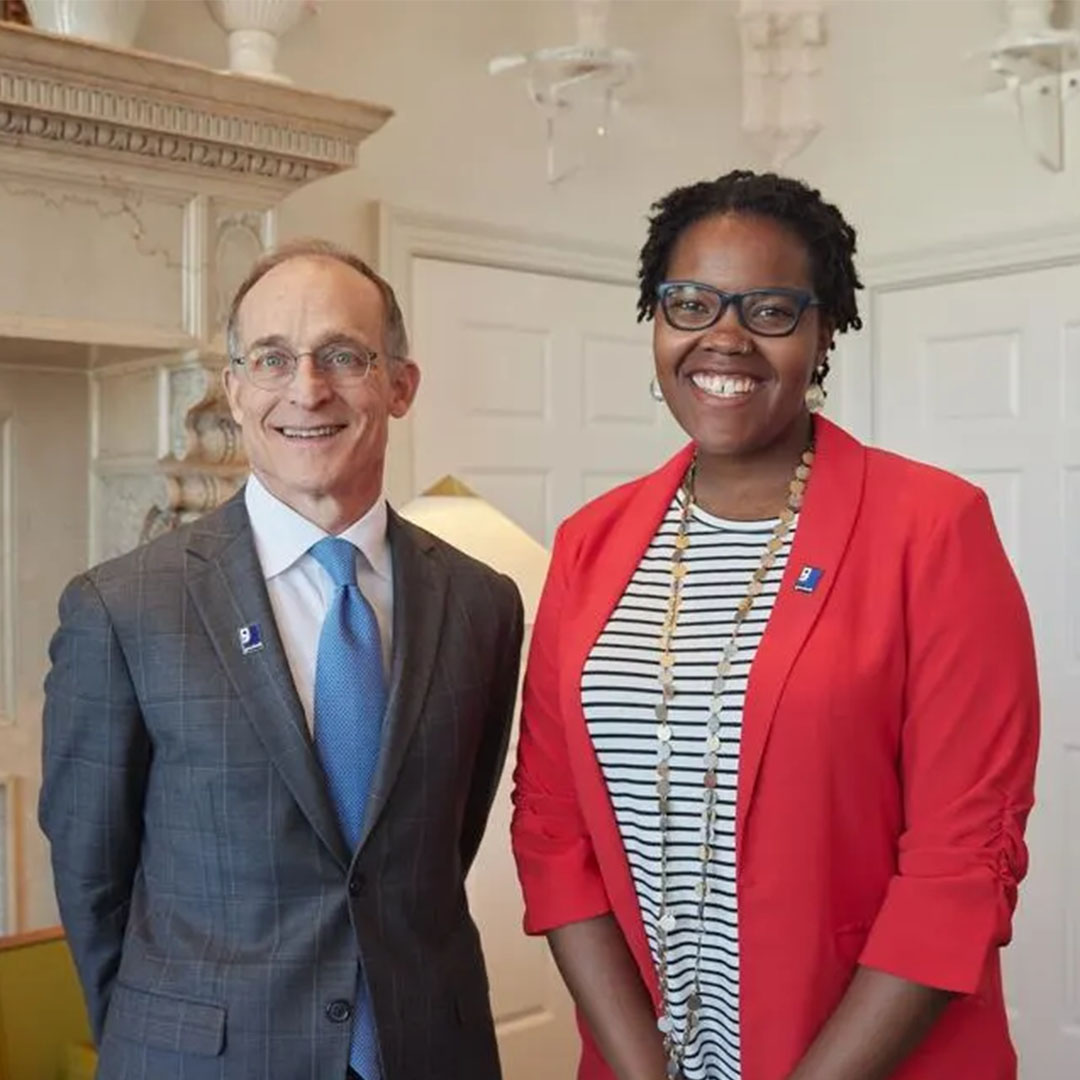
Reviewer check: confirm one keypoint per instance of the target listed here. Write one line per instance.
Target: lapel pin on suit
(808, 579)
(250, 638)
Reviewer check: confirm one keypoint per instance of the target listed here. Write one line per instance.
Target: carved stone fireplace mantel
(135, 191)
(108, 104)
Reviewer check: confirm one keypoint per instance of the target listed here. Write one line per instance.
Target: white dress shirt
(300, 589)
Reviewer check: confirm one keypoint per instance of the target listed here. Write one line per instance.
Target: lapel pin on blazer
(250, 638)
(808, 579)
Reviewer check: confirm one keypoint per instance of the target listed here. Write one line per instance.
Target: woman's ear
(826, 337)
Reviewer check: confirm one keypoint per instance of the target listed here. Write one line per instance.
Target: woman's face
(734, 392)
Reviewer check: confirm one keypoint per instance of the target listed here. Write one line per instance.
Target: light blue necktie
(350, 701)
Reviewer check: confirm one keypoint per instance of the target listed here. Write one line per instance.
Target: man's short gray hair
(396, 338)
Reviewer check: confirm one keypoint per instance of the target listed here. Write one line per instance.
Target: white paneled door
(983, 377)
(535, 388)
(535, 393)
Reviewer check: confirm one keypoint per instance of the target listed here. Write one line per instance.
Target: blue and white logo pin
(808, 579)
(250, 638)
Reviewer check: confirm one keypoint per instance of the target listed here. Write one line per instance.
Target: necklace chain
(675, 1048)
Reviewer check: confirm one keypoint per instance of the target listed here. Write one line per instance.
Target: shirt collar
(282, 535)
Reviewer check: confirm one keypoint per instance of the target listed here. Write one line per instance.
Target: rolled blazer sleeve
(968, 752)
(556, 862)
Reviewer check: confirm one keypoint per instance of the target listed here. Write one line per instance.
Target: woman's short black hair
(829, 239)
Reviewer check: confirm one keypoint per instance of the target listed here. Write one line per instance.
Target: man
(272, 737)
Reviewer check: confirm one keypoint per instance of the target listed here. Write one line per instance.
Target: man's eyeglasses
(689, 305)
(273, 367)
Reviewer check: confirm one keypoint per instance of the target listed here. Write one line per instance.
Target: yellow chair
(44, 1031)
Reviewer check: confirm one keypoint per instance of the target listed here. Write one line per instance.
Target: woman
(780, 717)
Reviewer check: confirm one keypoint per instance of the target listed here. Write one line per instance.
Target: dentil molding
(94, 100)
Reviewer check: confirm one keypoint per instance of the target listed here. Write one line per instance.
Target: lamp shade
(456, 514)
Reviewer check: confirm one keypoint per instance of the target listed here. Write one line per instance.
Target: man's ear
(230, 382)
(404, 382)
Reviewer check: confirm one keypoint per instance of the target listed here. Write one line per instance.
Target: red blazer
(888, 754)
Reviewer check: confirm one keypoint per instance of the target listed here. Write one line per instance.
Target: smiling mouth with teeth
(723, 386)
(311, 433)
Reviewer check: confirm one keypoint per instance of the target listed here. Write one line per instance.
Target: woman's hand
(878, 1022)
(604, 981)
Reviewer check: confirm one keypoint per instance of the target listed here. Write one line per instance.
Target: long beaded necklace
(674, 1048)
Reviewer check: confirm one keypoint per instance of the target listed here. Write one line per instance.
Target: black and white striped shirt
(620, 690)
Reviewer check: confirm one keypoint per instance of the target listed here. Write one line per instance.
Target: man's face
(317, 443)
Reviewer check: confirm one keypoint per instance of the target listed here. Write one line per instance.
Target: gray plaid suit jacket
(212, 908)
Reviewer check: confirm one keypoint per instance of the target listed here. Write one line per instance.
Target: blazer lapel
(226, 583)
(420, 586)
(619, 558)
(833, 497)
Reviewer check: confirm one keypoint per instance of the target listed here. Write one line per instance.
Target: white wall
(465, 144)
(912, 151)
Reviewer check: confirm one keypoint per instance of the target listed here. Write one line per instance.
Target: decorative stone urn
(110, 22)
(254, 27)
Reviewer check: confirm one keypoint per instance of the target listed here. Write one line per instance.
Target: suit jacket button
(356, 884)
(339, 1011)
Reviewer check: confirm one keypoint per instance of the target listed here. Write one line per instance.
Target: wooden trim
(402, 235)
(88, 332)
(8, 598)
(31, 937)
(977, 257)
(11, 881)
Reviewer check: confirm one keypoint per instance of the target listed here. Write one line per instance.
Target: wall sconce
(574, 86)
(783, 44)
(1039, 66)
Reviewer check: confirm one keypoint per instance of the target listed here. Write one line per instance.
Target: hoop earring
(816, 392)
(654, 390)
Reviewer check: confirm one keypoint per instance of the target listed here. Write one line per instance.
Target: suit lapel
(832, 502)
(420, 586)
(227, 586)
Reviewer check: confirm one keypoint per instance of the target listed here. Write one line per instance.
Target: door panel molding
(978, 257)
(402, 235)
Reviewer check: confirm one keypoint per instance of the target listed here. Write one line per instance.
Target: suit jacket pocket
(181, 1025)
